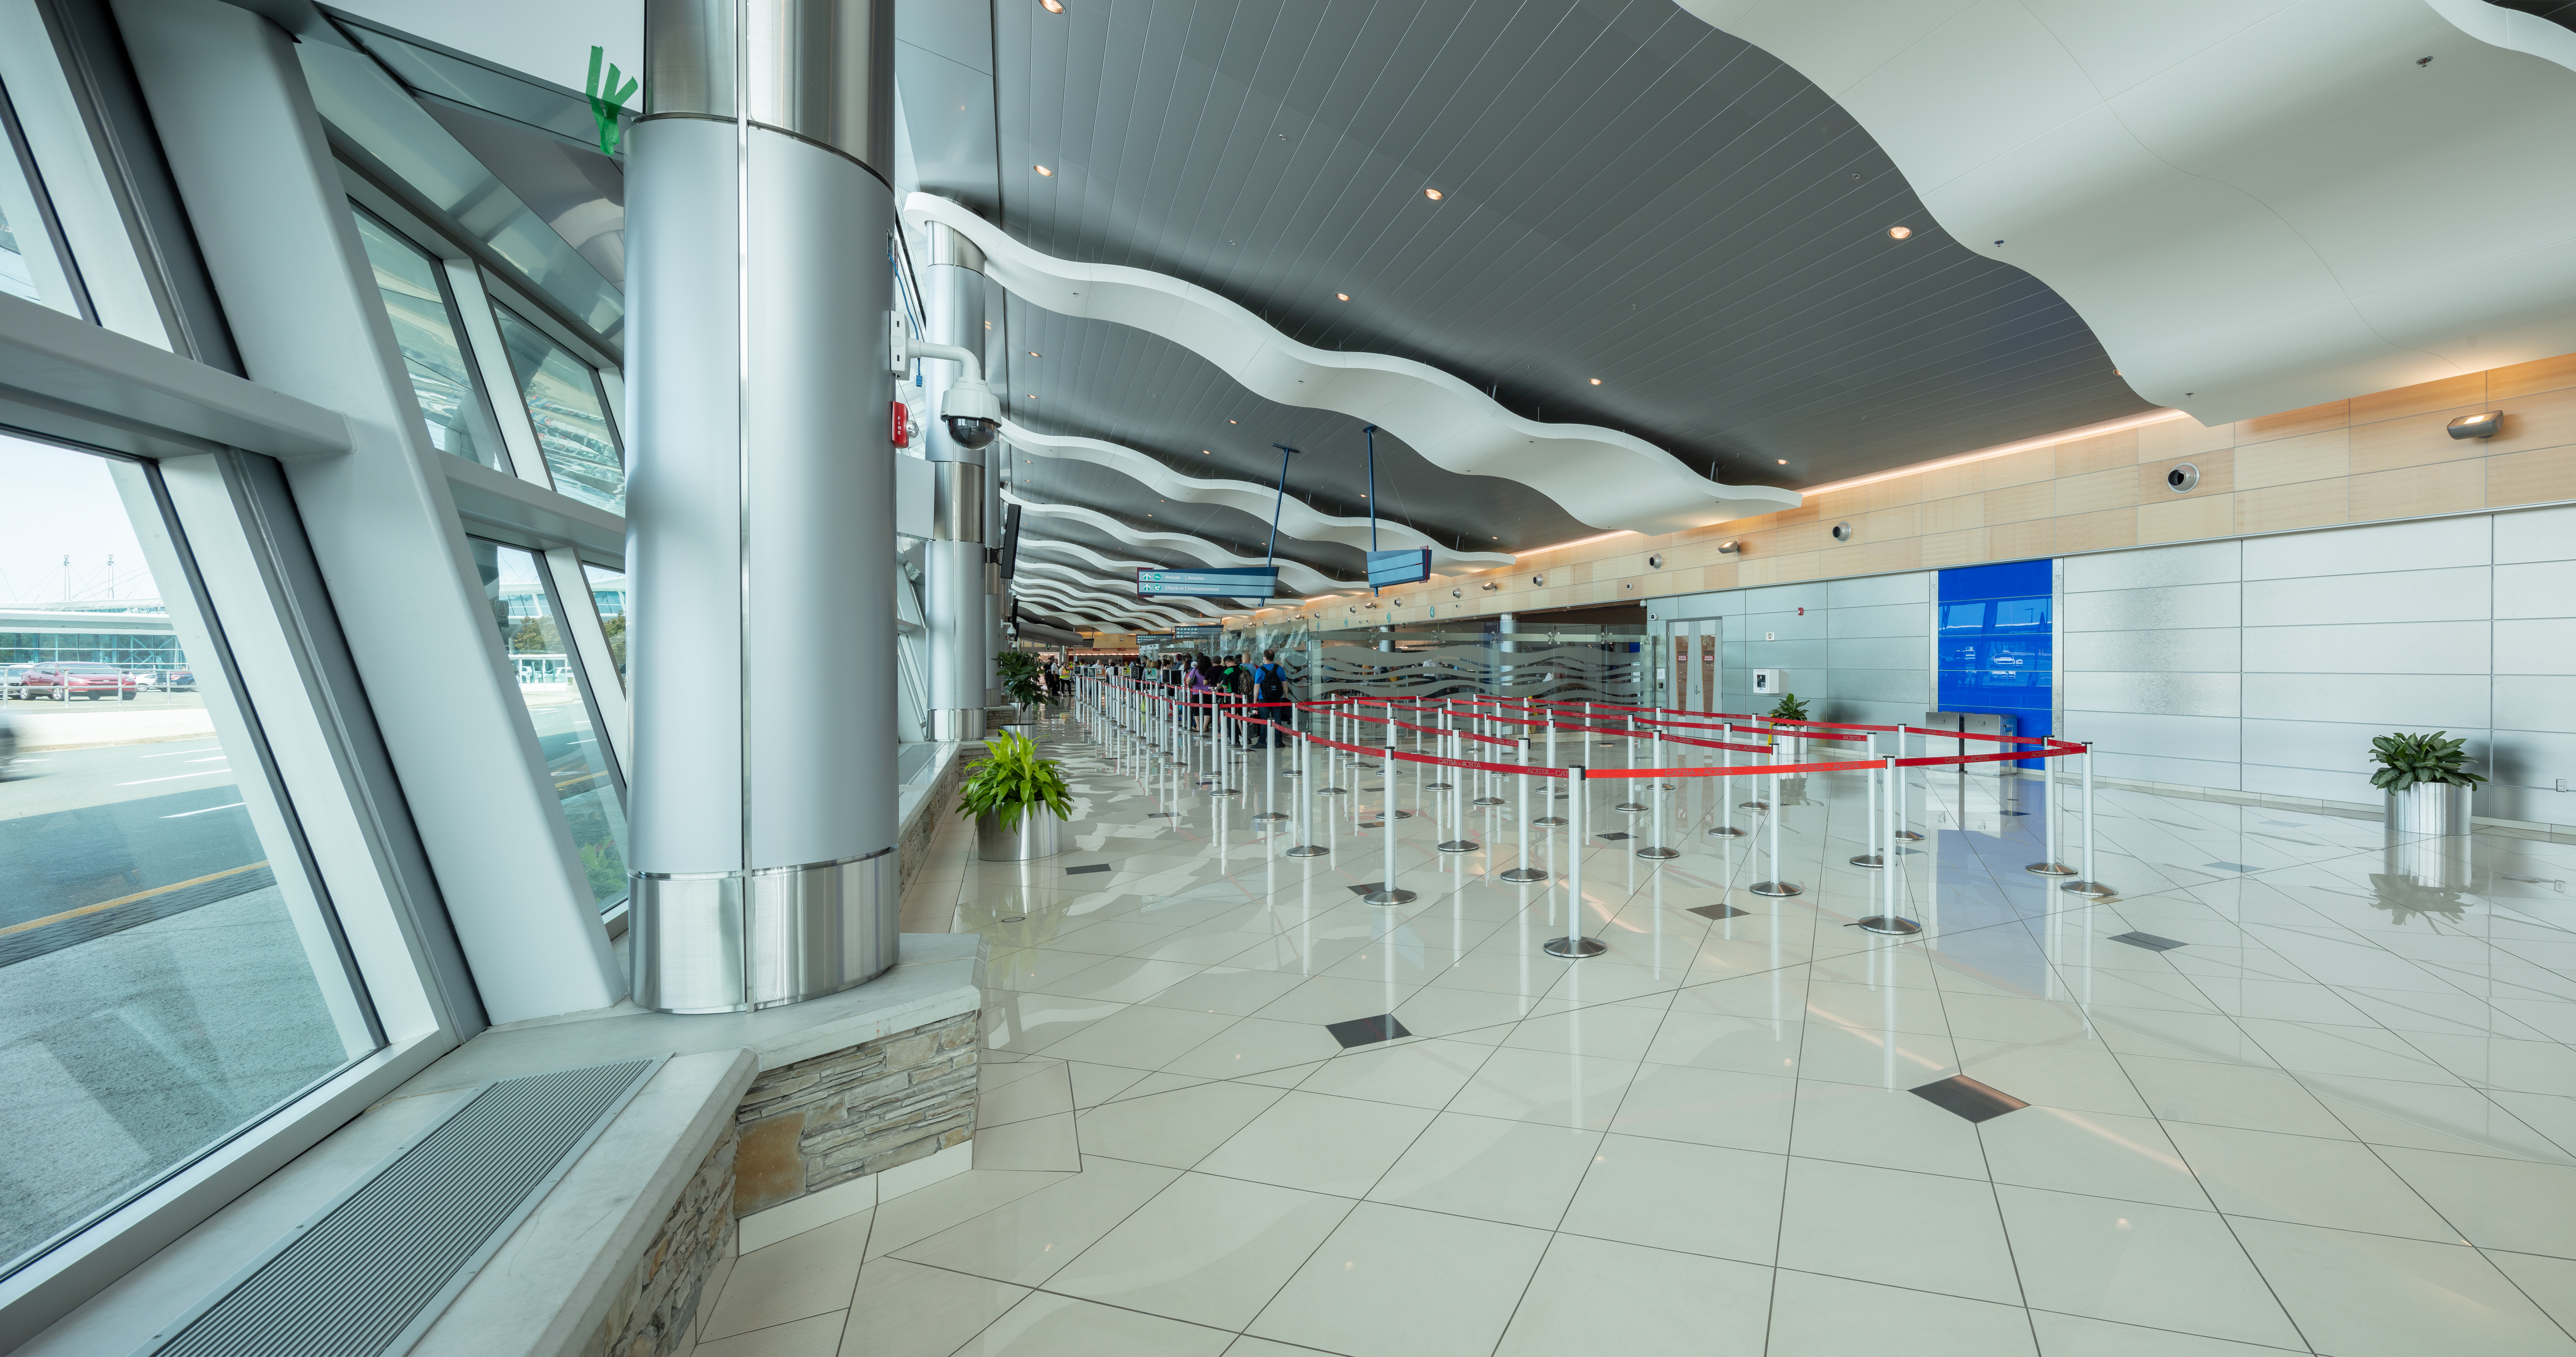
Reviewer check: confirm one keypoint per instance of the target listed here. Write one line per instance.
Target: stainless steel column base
(951, 724)
(731, 942)
(1573, 949)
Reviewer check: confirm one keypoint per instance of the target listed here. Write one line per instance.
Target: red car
(63, 681)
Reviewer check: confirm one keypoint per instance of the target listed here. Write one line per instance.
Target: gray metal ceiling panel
(1631, 195)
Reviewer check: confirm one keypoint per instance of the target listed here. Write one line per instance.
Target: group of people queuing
(1229, 683)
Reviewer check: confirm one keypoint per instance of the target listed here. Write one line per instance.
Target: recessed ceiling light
(1343, 295)
(1433, 194)
(1784, 461)
(1899, 232)
(1033, 353)
(1044, 172)
(1052, 6)
(1205, 453)
(1596, 381)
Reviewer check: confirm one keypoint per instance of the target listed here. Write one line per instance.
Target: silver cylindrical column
(953, 600)
(760, 493)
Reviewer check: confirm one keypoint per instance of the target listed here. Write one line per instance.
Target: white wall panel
(2334, 746)
(2537, 647)
(2156, 567)
(2536, 535)
(2393, 701)
(1881, 652)
(2368, 648)
(2541, 589)
(2185, 605)
(2534, 703)
(2418, 544)
(2223, 775)
(1874, 590)
(2149, 693)
(2212, 739)
(2432, 595)
(2193, 650)
(1887, 619)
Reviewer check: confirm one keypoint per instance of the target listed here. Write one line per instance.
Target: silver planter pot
(2428, 836)
(1039, 834)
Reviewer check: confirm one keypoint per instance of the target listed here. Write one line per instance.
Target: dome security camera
(970, 432)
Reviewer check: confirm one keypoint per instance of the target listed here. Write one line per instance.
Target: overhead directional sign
(1409, 566)
(1260, 581)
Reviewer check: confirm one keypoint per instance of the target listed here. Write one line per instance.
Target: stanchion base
(1665, 787)
(2050, 869)
(1868, 860)
(1270, 817)
(1573, 949)
(1725, 832)
(1521, 876)
(1439, 786)
(1659, 854)
(1753, 805)
(1777, 888)
(1393, 897)
(1488, 801)
(2090, 890)
(1909, 836)
(1895, 927)
(1551, 821)
(1630, 807)
(1306, 850)
(1462, 846)
(1332, 791)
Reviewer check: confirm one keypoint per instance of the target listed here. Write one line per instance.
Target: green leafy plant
(1019, 673)
(1010, 779)
(1789, 709)
(2410, 760)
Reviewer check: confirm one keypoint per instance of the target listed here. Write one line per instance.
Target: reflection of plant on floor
(2412, 760)
(1010, 779)
(2404, 898)
(1789, 708)
(1019, 672)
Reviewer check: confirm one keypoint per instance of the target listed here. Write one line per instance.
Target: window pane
(608, 595)
(567, 729)
(30, 266)
(572, 423)
(415, 298)
(167, 974)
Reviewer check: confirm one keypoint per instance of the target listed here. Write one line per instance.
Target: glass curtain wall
(423, 312)
(569, 412)
(168, 973)
(33, 263)
(608, 599)
(524, 608)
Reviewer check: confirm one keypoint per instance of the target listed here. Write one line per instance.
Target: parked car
(63, 680)
(179, 681)
(9, 676)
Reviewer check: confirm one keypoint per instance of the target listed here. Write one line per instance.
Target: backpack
(1271, 682)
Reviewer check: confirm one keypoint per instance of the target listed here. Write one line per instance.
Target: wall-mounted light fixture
(1729, 547)
(1489, 586)
(2477, 426)
(2182, 479)
(1655, 562)
(1538, 580)
(1842, 532)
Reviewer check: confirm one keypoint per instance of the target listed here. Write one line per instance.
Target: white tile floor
(2338, 1119)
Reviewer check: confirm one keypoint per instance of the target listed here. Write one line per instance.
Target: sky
(53, 503)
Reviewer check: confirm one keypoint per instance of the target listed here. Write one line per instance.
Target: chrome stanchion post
(1775, 886)
(1525, 872)
(1458, 801)
(1270, 813)
(1725, 788)
(1659, 853)
(2051, 865)
(1771, 738)
(1574, 946)
(1488, 724)
(1904, 797)
(1890, 919)
(1387, 892)
(1551, 821)
(1631, 806)
(1870, 827)
(1306, 847)
(2088, 885)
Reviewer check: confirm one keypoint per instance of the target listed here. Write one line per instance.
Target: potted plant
(1788, 708)
(1019, 800)
(2428, 801)
(1018, 671)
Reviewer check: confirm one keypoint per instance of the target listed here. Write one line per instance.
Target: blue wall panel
(1997, 643)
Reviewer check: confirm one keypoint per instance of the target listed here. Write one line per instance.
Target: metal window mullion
(481, 336)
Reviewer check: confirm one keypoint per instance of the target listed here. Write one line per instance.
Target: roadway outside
(154, 991)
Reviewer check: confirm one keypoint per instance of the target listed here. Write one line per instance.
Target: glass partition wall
(169, 972)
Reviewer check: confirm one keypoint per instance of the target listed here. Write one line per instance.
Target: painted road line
(171, 755)
(207, 811)
(210, 772)
(130, 899)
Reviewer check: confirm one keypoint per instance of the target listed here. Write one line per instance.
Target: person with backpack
(1270, 690)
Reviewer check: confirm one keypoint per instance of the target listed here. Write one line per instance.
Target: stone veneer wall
(914, 847)
(863, 1109)
(654, 1314)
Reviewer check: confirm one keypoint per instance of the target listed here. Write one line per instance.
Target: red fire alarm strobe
(902, 426)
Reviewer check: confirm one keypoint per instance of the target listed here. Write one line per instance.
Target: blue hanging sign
(1260, 581)
(1410, 566)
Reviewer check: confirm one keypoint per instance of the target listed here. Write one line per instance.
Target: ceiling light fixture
(1343, 295)
(1033, 353)
(1052, 6)
(1899, 232)
(1784, 461)
(1433, 194)
(1043, 172)
(1596, 381)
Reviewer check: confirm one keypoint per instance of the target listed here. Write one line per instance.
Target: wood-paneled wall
(2376, 457)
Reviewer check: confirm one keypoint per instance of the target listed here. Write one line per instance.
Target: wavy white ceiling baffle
(1296, 518)
(1116, 584)
(1303, 578)
(1601, 476)
(1068, 596)
(2257, 205)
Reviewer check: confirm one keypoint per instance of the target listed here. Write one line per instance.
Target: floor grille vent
(370, 1272)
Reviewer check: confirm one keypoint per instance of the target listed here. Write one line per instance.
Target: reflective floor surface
(2289, 1089)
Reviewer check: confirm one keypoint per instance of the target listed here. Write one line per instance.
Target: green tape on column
(607, 99)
